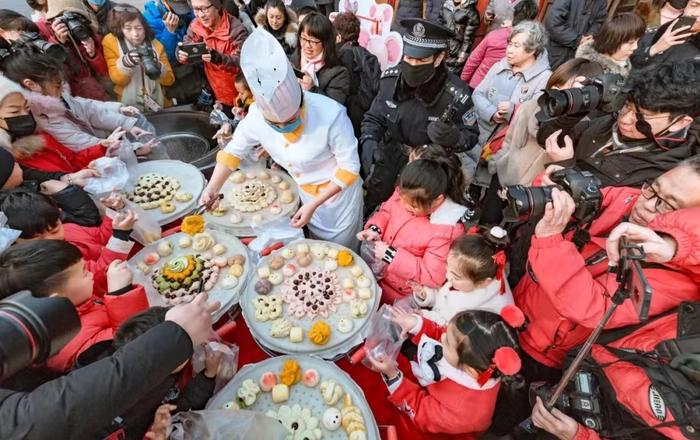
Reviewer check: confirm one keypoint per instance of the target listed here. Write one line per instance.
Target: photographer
(84, 402)
(650, 134)
(566, 290)
(70, 24)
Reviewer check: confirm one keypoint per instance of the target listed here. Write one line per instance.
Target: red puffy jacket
(99, 320)
(421, 242)
(564, 298)
(44, 153)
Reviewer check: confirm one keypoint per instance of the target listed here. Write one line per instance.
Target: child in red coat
(38, 218)
(461, 368)
(413, 230)
(55, 267)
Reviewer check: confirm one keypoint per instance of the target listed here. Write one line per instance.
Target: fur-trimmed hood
(587, 51)
(23, 147)
(290, 33)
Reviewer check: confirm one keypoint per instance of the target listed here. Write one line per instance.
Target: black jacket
(685, 51)
(463, 20)
(364, 72)
(626, 169)
(79, 404)
(333, 81)
(400, 116)
(567, 21)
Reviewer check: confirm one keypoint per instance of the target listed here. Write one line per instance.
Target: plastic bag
(228, 365)
(278, 230)
(7, 235)
(146, 229)
(225, 425)
(114, 175)
(376, 265)
(383, 335)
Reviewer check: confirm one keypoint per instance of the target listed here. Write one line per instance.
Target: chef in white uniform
(308, 134)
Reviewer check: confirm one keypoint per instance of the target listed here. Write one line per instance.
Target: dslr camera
(606, 92)
(150, 65)
(580, 400)
(55, 51)
(77, 25)
(525, 202)
(33, 329)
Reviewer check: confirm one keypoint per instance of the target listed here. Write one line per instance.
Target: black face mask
(416, 75)
(20, 126)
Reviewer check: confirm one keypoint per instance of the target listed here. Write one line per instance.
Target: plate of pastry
(310, 297)
(175, 269)
(166, 189)
(255, 196)
(310, 397)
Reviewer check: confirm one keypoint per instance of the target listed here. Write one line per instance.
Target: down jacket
(99, 320)
(421, 242)
(44, 153)
(77, 123)
(287, 37)
(564, 295)
(463, 20)
(227, 40)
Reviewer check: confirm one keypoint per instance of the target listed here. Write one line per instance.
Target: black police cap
(423, 38)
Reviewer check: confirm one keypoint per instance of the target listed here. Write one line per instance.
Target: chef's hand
(303, 215)
(207, 196)
(224, 133)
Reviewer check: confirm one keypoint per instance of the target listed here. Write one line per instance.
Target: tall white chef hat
(270, 76)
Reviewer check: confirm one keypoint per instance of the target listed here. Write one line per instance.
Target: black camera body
(607, 92)
(150, 65)
(77, 25)
(581, 399)
(525, 202)
(55, 51)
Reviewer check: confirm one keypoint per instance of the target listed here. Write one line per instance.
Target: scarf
(312, 66)
(621, 145)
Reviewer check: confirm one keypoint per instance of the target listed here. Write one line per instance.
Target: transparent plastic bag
(114, 175)
(225, 425)
(384, 338)
(146, 229)
(228, 365)
(273, 232)
(7, 235)
(376, 265)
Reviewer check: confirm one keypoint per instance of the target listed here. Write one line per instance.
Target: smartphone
(194, 51)
(299, 74)
(684, 21)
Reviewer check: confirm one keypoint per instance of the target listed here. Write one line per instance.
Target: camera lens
(525, 202)
(556, 103)
(33, 329)
(54, 51)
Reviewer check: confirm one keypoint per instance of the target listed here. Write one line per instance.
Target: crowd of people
(501, 173)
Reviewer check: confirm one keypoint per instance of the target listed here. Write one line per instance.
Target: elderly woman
(316, 57)
(615, 43)
(517, 78)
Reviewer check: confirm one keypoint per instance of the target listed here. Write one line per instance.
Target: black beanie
(7, 164)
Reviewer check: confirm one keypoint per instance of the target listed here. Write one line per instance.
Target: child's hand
(380, 248)
(161, 423)
(124, 221)
(114, 201)
(367, 235)
(118, 276)
(383, 364)
(418, 290)
(211, 362)
(403, 319)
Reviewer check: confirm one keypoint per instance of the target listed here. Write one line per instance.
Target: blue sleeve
(168, 39)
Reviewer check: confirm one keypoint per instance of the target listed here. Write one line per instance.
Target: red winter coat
(227, 39)
(446, 406)
(566, 298)
(421, 243)
(99, 249)
(44, 153)
(99, 320)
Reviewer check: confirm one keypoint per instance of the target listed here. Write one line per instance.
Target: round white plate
(191, 181)
(261, 330)
(300, 394)
(245, 227)
(227, 297)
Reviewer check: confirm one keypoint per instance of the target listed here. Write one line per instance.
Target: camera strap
(581, 236)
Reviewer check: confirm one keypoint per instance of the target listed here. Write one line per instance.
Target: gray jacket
(567, 21)
(501, 84)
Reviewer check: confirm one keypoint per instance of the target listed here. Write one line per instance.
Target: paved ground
(21, 6)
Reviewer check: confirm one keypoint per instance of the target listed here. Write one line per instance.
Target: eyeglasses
(630, 107)
(661, 206)
(202, 10)
(310, 42)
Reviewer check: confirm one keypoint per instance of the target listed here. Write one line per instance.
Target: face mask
(416, 75)
(20, 126)
(288, 128)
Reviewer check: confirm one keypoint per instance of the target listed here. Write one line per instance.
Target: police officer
(418, 102)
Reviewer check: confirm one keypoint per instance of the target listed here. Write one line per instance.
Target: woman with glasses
(223, 35)
(318, 66)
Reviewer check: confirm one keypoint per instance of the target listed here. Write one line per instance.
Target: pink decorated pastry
(267, 381)
(288, 270)
(311, 378)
